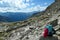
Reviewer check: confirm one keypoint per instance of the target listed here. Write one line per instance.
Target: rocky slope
(31, 29)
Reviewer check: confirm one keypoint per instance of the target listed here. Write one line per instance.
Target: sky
(24, 5)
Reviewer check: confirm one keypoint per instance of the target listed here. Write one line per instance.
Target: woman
(49, 29)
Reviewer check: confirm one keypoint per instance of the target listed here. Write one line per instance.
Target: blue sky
(24, 5)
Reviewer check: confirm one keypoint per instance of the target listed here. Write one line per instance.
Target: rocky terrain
(32, 29)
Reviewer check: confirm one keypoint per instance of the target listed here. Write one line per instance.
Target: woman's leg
(50, 34)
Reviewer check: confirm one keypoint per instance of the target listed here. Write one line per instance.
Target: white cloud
(1, 2)
(15, 3)
(45, 3)
(36, 8)
(19, 6)
(32, 3)
(27, 0)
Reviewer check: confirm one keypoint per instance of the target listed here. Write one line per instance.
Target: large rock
(49, 38)
(54, 22)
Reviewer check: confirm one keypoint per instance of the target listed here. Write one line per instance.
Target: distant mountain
(3, 18)
(14, 16)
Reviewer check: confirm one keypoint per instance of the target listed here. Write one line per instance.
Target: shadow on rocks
(49, 38)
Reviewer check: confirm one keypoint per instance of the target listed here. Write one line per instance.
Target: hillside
(33, 27)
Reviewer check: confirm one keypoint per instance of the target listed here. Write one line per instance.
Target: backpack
(52, 32)
(49, 27)
(45, 34)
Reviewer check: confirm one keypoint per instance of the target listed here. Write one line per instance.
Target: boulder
(49, 38)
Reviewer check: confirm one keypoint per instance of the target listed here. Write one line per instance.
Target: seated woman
(49, 30)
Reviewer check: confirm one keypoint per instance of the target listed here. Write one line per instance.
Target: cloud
(27, 0)
(38, 8)
(32, 3)
(35, 8)
(45, 3)
(19, 6)
(1, 2)
(15, 3)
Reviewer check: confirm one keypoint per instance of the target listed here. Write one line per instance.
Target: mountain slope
(33, 27)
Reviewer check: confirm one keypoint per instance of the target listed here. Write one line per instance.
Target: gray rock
(49, 38)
